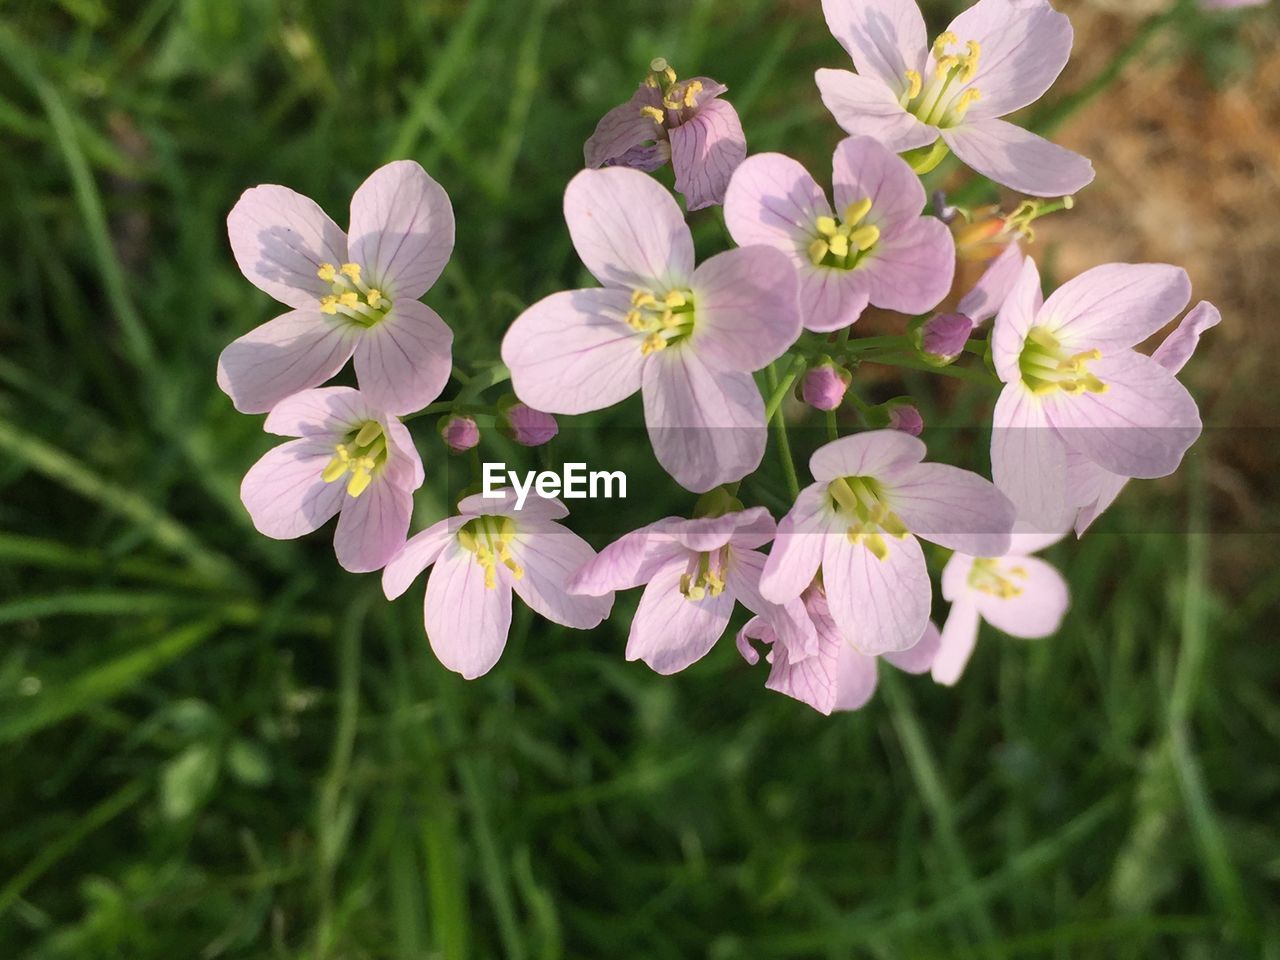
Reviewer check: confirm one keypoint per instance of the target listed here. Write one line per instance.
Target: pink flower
(681, 120)
(1017, 593)
(859, 524)
(825, 385)
(694, 572)
(995, 58)
(942, 338)
(875, 249)
(481, 555)
(905, 417)
(350, 297)
(837, 676)
(1092, 486)
(527, 426)
(688, 339)
(460, 434)
(353, 459)
(1073, 382)
(987, 296)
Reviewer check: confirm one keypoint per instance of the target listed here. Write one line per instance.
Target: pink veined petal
(863, 169)
(284, 493)
(670, 631)
(706, 426)
(884, 38)
(1108, 487)
(628, 230)
(813, 680)
(372, 526)
(994, 286)
(746, 308)
(757, 628)
(798, 546)
(705, 150)
(401, 230)
(743, 528)
(918, 659)
(503, 504)
(1116, 305)
(403, 362)
(955, 577)
(623, 129)
(420, 552)
(1140, 427)
(856, 677)
(1178, 347)
(629, 561)
(789, 622)
(959, 637)
(832, 299)
(550, 554)
(951, 507)
(1029, 460)
(1027, 539)
(1019, 159)
(572, 352)
(404, 463)
(910, 269)
(1017, 315)
(279, 239)
(296, 351)
(1035, 612)
(1025, 44)
(865, 107)
(323, 412)
(467, 623)
(772, 200)
(879, 605)
(867, 454)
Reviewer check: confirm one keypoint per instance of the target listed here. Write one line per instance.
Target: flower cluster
(843, 578)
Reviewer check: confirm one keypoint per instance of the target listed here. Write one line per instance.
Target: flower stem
(833, 428)
(774, 412)
(778, 391)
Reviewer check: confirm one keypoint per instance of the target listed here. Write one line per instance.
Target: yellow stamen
(974, 52)
(826, 226)
(374, 296)
(329, 304)
(818, 250)
(691, 93)
(336, 468)
(914, 84)
(635, 320)
(653, 113)
(967, 99)
(854, 213)
(944, 40)
(352, 270)
(359, 482)
(348, 299)
(675, 298)
(370, 432)
(642, 298)
(864, 238)
(327, 273)
(839, 245)
(652, 344)
(946, 65)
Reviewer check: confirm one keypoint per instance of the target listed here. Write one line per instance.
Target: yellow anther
(671, 103)
(675, 298)
(944, 40)
(635, 320)
(329, 304)
(651, 81)
(826, 226)
(691, 93)
(352, 270)
(490, 574)
(652, 344)
(349, 299)
(374, 296)
(967, 99)
(653, 113)
(839, 245)
(914, 84)
(696, 592)
(642, 298)
(669, 75)
(715, 582)
(946, 65)
(864, 238)
(336, 468)
(669, 319)
(358, 483)
(818, 250)
(327, 273)
(370, 432)
(974, 53)
(854, 213)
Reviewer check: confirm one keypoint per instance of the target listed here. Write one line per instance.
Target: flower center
(988, 575)
(862, 501)
(945, 98)
(1047, 367)
(679, 97)
(664, 320)
(361, 455)
(706, 575)
(489, 538)
(843, 243)
(351, 296)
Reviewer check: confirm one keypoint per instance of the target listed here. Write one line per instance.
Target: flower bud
(906, 418)
(527, 426)
(941, 338)
(824, 385)
(460, 434)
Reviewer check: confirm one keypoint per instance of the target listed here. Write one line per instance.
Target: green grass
(215, 745)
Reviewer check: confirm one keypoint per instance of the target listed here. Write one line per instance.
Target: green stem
(491, 377)
(833, 428)
(778, 390)
(780, 426)
(926, 159)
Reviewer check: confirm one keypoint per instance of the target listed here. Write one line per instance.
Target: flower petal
(994, 286)
(467, 623)
(401, 229)
(1103, 488)
(885, 38)
(746, 308)
(1116, 305)
(670, 631)
(959, 637)
(865, 107)
(629, 561)
(867, 454)
(862, 169)
(296, 351)
(1035, 612)
(705, 150)
(420, 552)
(951, 507)
(625, 128)
(798, 546)
(813, 679)
(879, 605)
(503, 504)
(372, 526)
(910, 269)
(918, 659)
(772, 200)
(628, 230)
(1029, 460)
(1017, 315)
(284, 493)
(550, 554)
(1178, 347)
(324, 412)
(856, 677)
(1018, 158)
(789, 621)
(832, 299)
(403, 362)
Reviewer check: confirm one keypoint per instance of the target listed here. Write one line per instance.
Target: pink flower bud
(528, 427)
(942, 338)
(459, 433)
(906, 418)
(825, 385)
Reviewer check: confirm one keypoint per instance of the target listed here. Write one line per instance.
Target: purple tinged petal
(1178, 347)
(832, 299)
(420, 552)
(1108, 487)
(503, 504)
(918, 659)
(1029, 460)
(550, 554)
(296, 351)
(865, 107)
(372, 526)
(1035, 612)
(1019, 159)
(403, 362)
(1018, 314)
(773, 200)
(705, 150)
(325, 412)
(994, 286)
(459, 434)
(863, 169)
(745, 307)
(757, 628)
(944, 335)
(404, 463)
(879, 605)
(868, 454)
(629, 561)
(628, 230)
(1027, 539)
(743, 528)
(798, 546)
(959, 637)
(624, 129)
(467, 623)
(906, 418)
(824, 386)
(1116, 305)
(884, 38)
(813, 680)
(951, 507)
(401, 230)
(670, 631)
(284, 493)
(911, 268)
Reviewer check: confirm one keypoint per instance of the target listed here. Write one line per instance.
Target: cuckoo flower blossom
(683, 121)
(481, 555)
(859, 524)
(351, 295)
(995, 58)
(1091, 485)
(687, 338)
(1074, 383)
(1017, 593)
(694, 571)
(351, 458)
(837, 676)
(874, 248)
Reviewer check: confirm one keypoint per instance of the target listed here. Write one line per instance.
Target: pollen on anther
(327, 272)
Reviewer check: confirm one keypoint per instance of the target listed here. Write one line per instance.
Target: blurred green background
(215, 745)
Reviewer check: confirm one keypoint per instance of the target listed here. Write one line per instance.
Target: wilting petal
(467, 623)
(789, 621)
(745, 303)
(324, 412)
(1140, 427)
(994, 286)
(1018, 158)
(865, 107)
(832, 299)
(628, 230)
(918, 659)
(772, 200)
(862, 169)
(798, 546)
(951, 507)
(705, 150)
(297, 351)
(1116, 305)
(403, 362)
(372, 526)
(1178, 347)
(868, 454)
(401, 229)
(879, 605)
(1017, 315)
(959, 636)
(885, 38)
(1035, 612)
(670, 631)
(706, 426)
(549, 555)
(417, 554)
(629, 561)
(1029, 460)
(284, 493)
(911, 269)
(279, 239)
(813, 679)
(623, 129)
